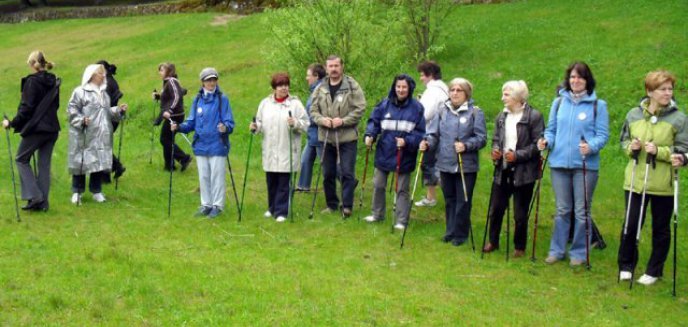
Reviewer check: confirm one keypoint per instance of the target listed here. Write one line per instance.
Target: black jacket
(31, 119)
(529, 129)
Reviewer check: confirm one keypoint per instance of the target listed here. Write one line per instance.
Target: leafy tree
(423, 20)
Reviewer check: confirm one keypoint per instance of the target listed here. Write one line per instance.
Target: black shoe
(185, 163)
(458, 242)
(167, 168)
(119, 171)
(446, 239)
(35, 206)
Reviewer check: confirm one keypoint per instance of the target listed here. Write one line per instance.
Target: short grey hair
(519, 90)
(465, 85)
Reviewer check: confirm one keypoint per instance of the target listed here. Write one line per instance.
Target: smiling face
(210, 84)
(98, 77)
(282, 91)
(457, 95)
(401, 88)
(577, 82)
(662, 95)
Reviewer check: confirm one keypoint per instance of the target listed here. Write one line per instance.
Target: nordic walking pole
(489, 204)
(317, 179)
(673, 290)
(648, 161)
(231, 178)
(290, 201)
(83, 151)
(14, 181)
(396, 187)
(624, 234)
(152, 134)
(508, 224)
(465, 194)
(341, 176)
(169, 194)
(413, 193)
(587, 214)
(365, 171)
(541, 168)
(33, 162)
(248, 157)
(119, 147)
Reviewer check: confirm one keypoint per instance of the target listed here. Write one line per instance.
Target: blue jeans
(347, 158)
(310, 153)
(568, 191)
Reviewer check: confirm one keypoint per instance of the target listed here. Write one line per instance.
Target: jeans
(278, 193)
(347, 157)
(310, 153)
(569, 195)
(457, 211)
(211, 174)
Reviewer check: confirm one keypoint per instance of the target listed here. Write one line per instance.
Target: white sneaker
(399, 226)
(267, 214)
(426, 203)
(646, 279)
(99, 197)
(280, 219)
(370, 219)
(625, 275)
(76, 198)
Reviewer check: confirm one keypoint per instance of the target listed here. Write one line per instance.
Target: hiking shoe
(76, 198)
(426, 203)
(646, 279)
(327, 210)
(576, 262)
(399, 226)
(458, 242)
(214, 212)
(203, 211)
(267, 214)
(346, 212)
(185, 163)
(625, 275)
(371, 219)
(519, 253)
(281, 219)
(99, 197)
(551, 259)
(489, 247)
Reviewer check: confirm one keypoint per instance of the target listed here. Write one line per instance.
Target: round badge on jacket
(463, 120)
(582, 116)
(340, 98)
(199, 110)
(653, 120)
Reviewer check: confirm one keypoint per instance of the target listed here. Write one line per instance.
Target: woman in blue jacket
(211, 120)
(399, 122)
(577, 130)
(458, 130)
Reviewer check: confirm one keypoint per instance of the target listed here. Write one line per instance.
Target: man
(337, 107)
(314, 76)
(434, 96)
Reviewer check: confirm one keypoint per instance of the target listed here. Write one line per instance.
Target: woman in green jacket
(654, 129)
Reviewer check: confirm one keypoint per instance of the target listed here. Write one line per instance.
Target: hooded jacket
(90, 146)
(392, 118)
(207, 111)
(349, 105)
(467, 123)
(567, 122)
(31, 119)
(666, 129)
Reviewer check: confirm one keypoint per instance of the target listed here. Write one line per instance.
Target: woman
(115, 95)
(281, 118)
(171, 107)
(400, 123)
(90, 133)
(212, 121)
(516, 157)
(655, 129)
(37, 122)
(314, 76)
(457, 131)
(577, 130)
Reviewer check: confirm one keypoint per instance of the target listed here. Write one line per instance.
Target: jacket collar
(587, 98)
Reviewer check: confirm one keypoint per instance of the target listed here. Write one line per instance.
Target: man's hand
(337, 122)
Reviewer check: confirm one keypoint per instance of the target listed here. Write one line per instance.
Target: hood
(88, 73)
(43, 78)
(412, 86)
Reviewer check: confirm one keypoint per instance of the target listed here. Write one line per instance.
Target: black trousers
(278, 193)
(167, 141)
(95, 182)
(35, 187)
(661, 209)
(500, 200)
(457, 211)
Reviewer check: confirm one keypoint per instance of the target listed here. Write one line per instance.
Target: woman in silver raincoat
(90, 133)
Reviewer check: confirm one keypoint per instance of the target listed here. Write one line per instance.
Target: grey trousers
(403, 198)
(35, 187)
(211, 174)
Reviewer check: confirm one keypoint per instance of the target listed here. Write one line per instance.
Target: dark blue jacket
(391, 119)
(203, 118)
(312, 128)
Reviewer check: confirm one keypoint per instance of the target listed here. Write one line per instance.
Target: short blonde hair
(464, 84)
(655, 79)
(37, 60)
(519, 90)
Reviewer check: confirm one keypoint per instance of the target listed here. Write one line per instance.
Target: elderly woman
(171, 107)
(281, 119)
(399, 122)
(212, 121)
(655, 129)
(457, 132)
(37, 122)
(90, 133)
(516, 157)
(577, 130)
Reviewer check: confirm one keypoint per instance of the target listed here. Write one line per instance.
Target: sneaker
(76, 198)
(327, 210)
(203, 211)
(371, 219)
(267, 214)
(646, 279)
(426, 203)
(99, 197)
(399, 226)
(281, 219)
(576, 262)
(551, 259)
(185, 163)
(625, 275)
(214, 212)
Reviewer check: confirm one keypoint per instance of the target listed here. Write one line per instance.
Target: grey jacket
(349, 105)
(467, 123)
(92, 143)
(529, 129)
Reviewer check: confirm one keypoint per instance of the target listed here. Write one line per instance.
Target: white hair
(519, 90)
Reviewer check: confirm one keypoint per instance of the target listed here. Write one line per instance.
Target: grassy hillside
(125, 263)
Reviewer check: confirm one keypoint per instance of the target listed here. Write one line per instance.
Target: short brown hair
(430, 68)
(317, 70)
(279, 79)
(335, 57)
(170, 69)
(655, 79)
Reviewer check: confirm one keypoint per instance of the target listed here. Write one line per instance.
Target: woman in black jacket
(516, 158)
(115, 95)
(37, 122)
(171, 107)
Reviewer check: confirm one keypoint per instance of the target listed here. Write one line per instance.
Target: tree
(423, 22)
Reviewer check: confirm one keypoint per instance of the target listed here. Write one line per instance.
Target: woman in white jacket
(278, 116)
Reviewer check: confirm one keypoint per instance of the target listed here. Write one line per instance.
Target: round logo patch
(463, 120)
(582, 116)
(653, 120)
(340, 98)
(199, 110)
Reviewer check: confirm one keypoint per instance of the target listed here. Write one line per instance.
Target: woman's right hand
(252, 127)
(496, 154)
(423, 146)
(542, 144)
(173, 126)
(677, 160)
(87, 121)
(5, 123)
(635, 144)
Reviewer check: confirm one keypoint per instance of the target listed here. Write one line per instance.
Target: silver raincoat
(90, 147)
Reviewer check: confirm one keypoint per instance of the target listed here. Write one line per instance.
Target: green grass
(125, 263)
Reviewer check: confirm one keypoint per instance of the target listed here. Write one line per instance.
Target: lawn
(125, 262)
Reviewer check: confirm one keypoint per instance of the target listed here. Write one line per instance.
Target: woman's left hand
(400, 142)
(123, 107)
(651, 148)
(459, 147)
(221, 128)
(584, 148)
(291, 121)
(5, 123)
